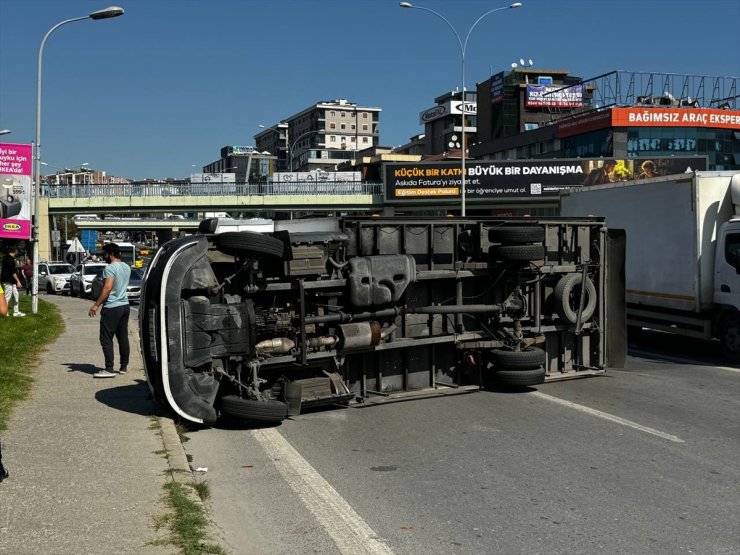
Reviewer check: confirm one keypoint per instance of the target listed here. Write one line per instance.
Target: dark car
(133, 290)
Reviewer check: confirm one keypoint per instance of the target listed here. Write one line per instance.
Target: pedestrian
(27, 271)
(11, 281)
(115, 313)
(3, 302)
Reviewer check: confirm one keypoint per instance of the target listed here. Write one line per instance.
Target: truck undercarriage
(261, 326)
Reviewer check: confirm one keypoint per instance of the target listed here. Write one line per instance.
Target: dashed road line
(607, 416)
(348, 530)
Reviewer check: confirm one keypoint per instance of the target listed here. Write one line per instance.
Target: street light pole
(112, 11)
(463, 47)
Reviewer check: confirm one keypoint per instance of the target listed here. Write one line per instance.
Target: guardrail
(212, 189)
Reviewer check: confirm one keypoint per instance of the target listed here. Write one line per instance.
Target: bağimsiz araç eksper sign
(520, 179)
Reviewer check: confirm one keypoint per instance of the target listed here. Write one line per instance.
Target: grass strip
(22, 340)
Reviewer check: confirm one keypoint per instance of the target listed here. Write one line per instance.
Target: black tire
(249, 243)
(526, 359)
(255, 411)
(518, 253)
(519, 378)
(49, 290)
(516, 235)
(568, 298)
(729, 337)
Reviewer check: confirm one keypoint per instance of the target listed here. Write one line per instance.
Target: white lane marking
(670, 358)
(607, 416)
(348, 530)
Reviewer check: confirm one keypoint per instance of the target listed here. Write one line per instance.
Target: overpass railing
(212, 189)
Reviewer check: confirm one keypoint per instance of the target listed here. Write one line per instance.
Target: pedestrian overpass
(149, 202)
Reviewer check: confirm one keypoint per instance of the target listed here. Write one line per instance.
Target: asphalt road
(643, 460)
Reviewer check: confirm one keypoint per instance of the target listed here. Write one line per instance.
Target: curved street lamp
(463, 47)
(4, 131)
(112, 11)
(292, 145)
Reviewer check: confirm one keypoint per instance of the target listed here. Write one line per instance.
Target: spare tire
(519, 253)
(256, 411)
(249, 243)
(519, 378)
(568, 298)
(516, 235)
(526, 359)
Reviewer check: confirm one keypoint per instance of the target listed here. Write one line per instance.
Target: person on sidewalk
(10, 280)
(27, 271)
(115, 313)
(3, 302)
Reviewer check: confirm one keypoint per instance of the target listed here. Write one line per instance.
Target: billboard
(522, 179)
(448, 108)
(215, 177)
(15, 190)
(314, 176)
(675, 117)
(554, 96)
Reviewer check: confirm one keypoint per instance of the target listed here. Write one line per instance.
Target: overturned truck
(259, 326)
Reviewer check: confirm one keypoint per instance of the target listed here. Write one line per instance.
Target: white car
(54, 277)
(80, 284)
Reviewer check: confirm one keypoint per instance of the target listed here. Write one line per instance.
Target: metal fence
(211, 189)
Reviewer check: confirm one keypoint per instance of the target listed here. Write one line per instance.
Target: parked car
(80, 283)
(133, 290)
(54, 277)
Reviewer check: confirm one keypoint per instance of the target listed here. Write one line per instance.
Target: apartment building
(321, 136)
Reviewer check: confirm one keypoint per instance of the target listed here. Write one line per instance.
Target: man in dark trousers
(10, 278)
(115, 313)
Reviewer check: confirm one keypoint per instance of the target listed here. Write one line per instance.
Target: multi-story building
(321, 136)
(528, 113)
(443, 125)
(82, 176)
(246, 162)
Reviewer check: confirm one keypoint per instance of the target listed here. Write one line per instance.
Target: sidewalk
(86, 471)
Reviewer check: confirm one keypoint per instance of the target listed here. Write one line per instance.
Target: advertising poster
(554, 96)
(497, 88)
(15, 191)
(522, 179)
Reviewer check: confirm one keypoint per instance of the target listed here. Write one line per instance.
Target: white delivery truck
(683, 250)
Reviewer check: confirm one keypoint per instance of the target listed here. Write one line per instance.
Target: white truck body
(681, 239)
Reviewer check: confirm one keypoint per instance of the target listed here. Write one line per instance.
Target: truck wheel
(729, 337)
(519, 253)
(49, 290)
(526, 359)
(568, 298)
(516, 235)
(256, 411)
(246, 243)
(519, 378)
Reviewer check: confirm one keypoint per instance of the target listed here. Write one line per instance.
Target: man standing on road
(10, 280)
(27, 271)
(115, 313)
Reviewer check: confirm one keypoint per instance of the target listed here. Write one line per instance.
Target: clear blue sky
(169, 83)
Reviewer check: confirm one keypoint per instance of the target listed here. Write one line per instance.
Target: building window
(333, 114)
(343, 126)
(332, 125)
(344, 114)
(353, 126)
(353, 139)
(364, 115)
(364, 126)
(364, 139)
(332, 139)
